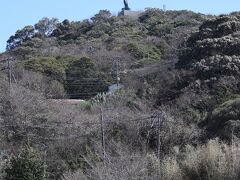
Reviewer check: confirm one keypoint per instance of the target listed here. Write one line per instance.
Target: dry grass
(78, 175)
(213, 161)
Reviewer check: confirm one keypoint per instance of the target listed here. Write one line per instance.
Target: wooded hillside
(175, 115)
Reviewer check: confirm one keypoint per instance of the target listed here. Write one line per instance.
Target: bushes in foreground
(26, 165)
(212, 161)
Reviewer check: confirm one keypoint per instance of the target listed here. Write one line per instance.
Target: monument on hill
(126, 11)
(126, 5)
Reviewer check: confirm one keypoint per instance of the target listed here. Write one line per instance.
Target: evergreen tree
(26, 166)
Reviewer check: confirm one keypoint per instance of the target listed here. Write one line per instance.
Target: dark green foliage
(24, 52)
(152, 16)
(64, 30)
(19, 37)
(160, 23)
(49, 66)
(212, 51)
(224, 120)
(26, 166)
(228, 110)
(144, 51)
(104, 28)
(79, 75)
(99, 30)
(161, 29)
(84, 80)
(210, 61)
(103, 15)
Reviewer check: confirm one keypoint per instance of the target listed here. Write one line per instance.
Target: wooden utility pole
(148, 134)
(159, 126)
(9, 75)
(117, 72)
(103, 135)
(159, 137)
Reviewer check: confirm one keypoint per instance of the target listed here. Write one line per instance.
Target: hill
(176, 115)
(110, 43)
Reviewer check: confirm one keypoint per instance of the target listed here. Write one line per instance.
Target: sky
(15, 14)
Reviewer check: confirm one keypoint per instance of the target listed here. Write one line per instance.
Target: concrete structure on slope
(131, 14)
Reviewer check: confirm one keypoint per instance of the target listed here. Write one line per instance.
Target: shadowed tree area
(83, 80)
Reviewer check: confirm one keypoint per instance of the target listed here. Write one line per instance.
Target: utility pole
(117, 72)
(159, 126)
(103, 136)
(9, 75)
(159, 137)
(148, 134)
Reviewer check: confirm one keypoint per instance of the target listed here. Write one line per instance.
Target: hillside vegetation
(176, 115)
(111, 43)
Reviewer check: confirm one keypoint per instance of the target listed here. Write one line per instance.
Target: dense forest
(153, 96)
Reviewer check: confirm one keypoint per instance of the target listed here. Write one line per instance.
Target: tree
(62, 28)
(26, 166)
(84, 80)
(103, 15)
(46, 26)
(19, 37)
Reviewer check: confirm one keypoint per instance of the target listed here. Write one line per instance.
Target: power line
(77, 125)
(39, 126)
(54, 138)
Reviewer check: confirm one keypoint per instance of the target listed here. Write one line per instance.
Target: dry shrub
(213, 161)
(121, 164)
(170, 169)
(78, 175)
(45, 85)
